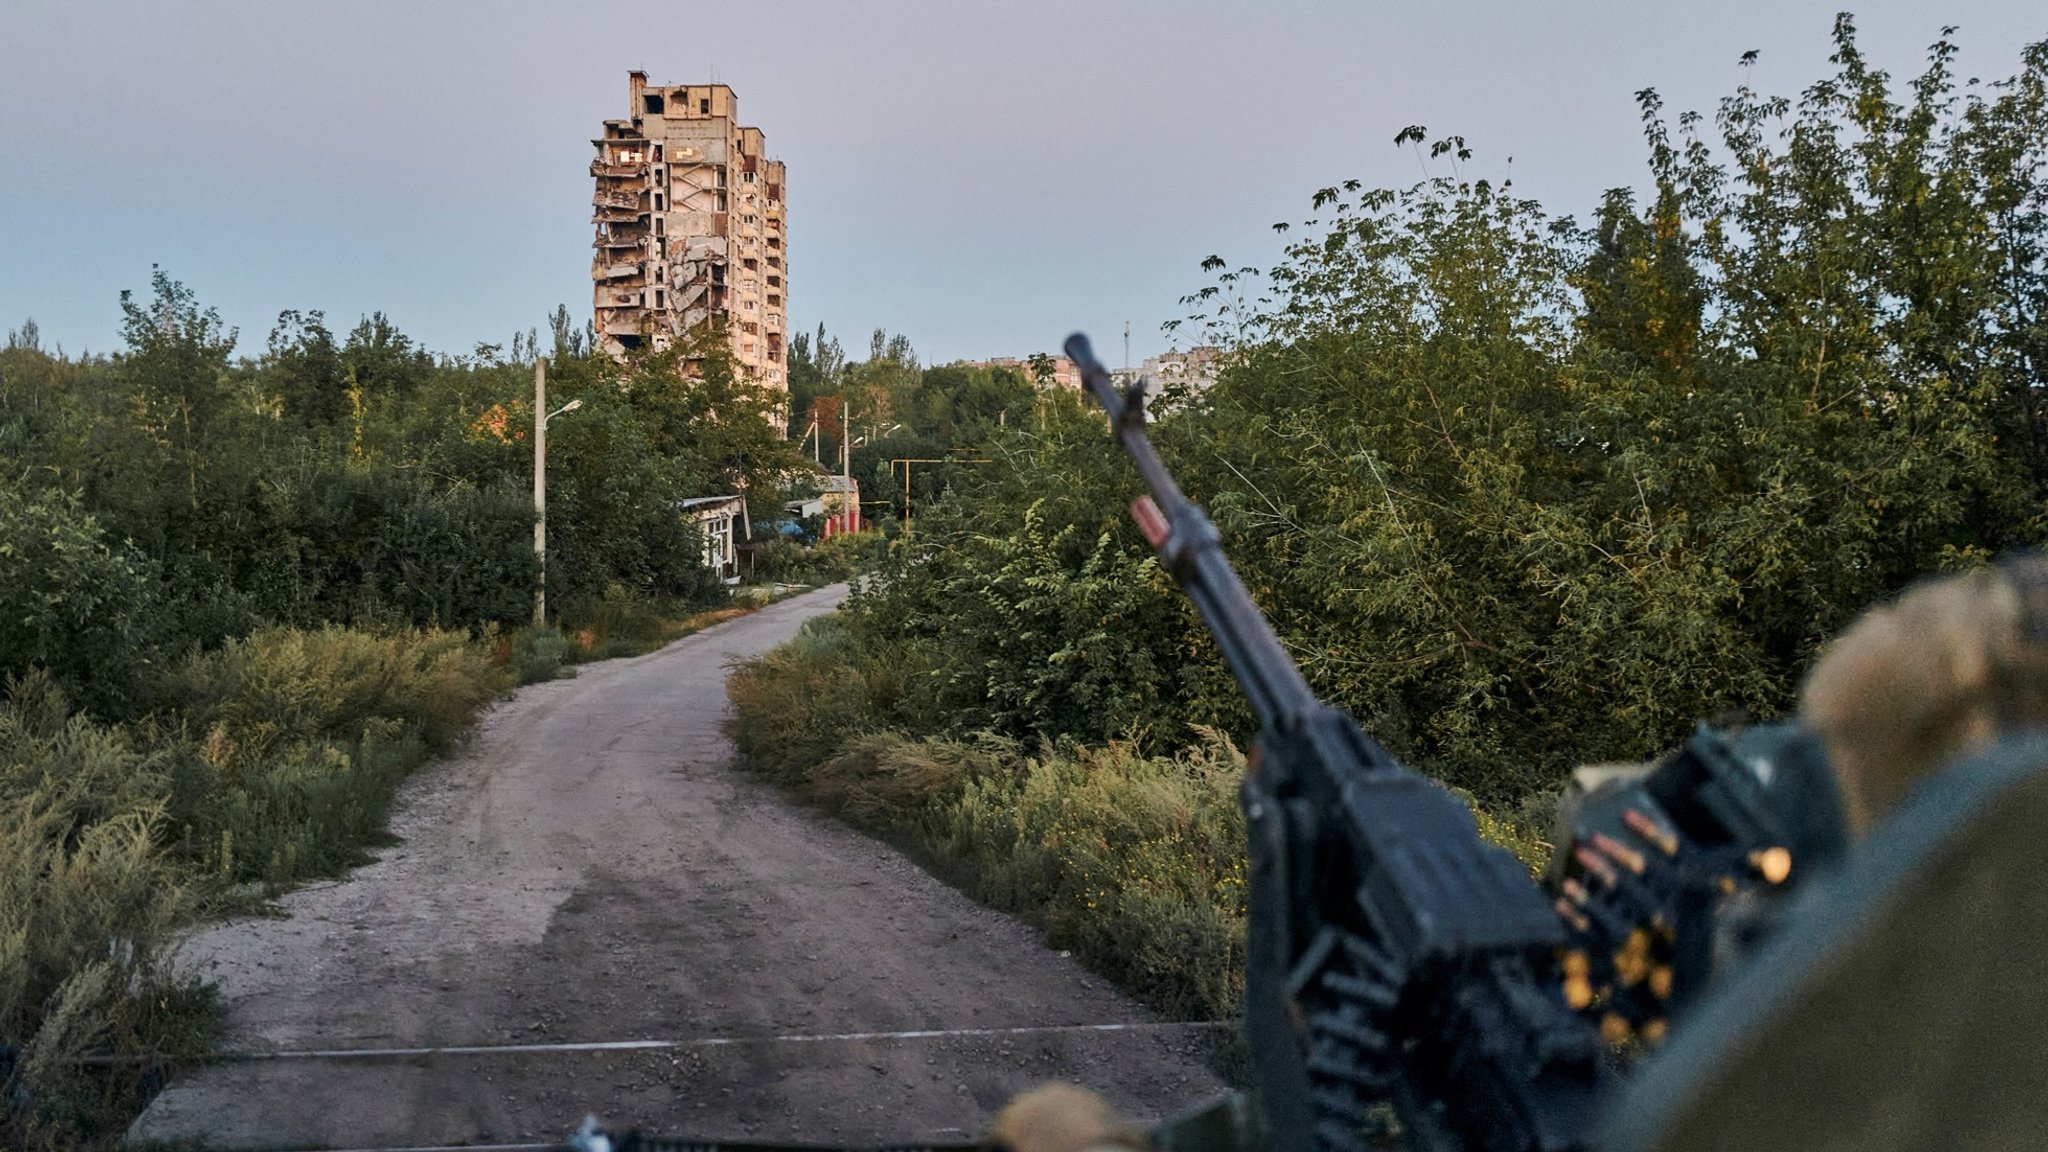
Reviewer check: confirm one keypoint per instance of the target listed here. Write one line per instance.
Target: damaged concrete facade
(690, 218)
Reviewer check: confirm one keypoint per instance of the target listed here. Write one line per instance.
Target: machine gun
(1395, 957)
(1392, 955)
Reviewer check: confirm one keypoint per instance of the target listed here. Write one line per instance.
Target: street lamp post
(541, 416)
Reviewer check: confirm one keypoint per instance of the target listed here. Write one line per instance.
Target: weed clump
(89, 896)
(267, 761)
(537, 654)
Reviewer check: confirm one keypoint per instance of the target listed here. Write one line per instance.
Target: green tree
(176, 371)
(816, 365)
(305, 371)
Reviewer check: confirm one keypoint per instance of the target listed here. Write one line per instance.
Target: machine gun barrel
(1188, 545)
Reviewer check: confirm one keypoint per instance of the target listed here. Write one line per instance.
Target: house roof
(695, 502)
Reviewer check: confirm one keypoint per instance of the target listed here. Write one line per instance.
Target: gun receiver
(1392, 955)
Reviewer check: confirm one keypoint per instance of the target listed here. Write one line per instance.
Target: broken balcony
(604, 199)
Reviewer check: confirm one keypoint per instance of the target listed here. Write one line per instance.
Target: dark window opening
(653, 102)
(704, 106)
(773, 281)
(657, 202)
(749, 264)
(660, 298)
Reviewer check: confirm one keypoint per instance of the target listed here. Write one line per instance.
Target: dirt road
(594, 870)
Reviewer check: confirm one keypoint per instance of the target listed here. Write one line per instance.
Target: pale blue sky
(982, 177)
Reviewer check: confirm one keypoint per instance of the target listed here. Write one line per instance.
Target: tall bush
(72, 601)
(296, 740)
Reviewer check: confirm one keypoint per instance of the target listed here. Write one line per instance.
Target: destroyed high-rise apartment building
(690, 231)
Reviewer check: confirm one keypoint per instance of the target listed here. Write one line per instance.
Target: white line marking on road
(459, 1148)
(703, 1042)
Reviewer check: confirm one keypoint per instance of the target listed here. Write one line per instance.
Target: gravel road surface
(593, 869)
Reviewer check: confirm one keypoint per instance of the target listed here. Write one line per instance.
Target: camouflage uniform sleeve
(1063, 1118)
(1935, 675)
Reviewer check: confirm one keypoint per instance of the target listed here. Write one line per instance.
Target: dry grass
(1135, 863)
(629, 626)
(265, 762)
(89, 895)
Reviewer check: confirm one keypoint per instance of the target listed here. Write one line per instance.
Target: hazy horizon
(980, 180)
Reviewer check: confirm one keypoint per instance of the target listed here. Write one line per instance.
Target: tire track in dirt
(593, 868)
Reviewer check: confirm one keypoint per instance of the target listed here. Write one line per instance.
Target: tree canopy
(175, 494)
(1524, 492)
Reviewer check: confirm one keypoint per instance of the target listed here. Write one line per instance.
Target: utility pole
(540, 490)
(906, 499)
(541, 416)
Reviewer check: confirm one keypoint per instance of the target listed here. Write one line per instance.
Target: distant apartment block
(1065, 373)
(1176, 375)
(1182, 374)
(690, 217)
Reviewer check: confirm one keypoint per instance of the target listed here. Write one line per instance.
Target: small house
(718, 518)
